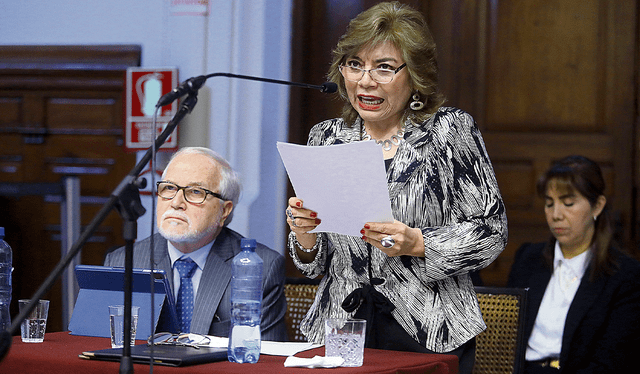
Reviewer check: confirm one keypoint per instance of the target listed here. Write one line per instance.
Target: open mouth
(370, 100)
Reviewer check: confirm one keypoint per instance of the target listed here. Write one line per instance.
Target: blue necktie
(184, 306)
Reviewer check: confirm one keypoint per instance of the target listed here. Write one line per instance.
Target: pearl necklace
(395, 139)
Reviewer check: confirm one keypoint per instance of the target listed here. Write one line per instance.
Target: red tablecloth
(59, 354)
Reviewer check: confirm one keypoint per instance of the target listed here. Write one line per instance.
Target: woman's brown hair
(405, 28)
(580, 174)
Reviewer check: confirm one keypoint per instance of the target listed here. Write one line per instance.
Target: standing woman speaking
(408, 278)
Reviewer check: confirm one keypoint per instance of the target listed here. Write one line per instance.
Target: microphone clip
(190, 86)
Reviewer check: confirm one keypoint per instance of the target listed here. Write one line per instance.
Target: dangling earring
(416, 104)
(595, 218)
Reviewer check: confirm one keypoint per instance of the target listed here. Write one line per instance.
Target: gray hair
(230, 185)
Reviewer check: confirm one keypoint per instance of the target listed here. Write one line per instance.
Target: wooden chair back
(500, 348)
(300, 296)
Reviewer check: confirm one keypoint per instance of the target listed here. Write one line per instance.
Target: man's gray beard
(189, 237)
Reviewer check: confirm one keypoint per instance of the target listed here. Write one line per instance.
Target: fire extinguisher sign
(144, 87)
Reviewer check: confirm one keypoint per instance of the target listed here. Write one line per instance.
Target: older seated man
(195, 247)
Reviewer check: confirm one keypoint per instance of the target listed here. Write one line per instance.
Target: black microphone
(192, 85)
(329, 87)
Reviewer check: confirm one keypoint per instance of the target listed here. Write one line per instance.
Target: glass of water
(33, 327)
(345, 338)
(116, 321)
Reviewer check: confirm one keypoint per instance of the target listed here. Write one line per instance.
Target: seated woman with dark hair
(583, 314)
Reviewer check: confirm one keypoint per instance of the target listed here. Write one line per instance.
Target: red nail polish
(313, 214)
(298, 204)
(366, 226)
(364, 238)
(362, 232)
(318, 221)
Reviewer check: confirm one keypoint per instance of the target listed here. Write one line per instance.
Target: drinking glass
(345, 338)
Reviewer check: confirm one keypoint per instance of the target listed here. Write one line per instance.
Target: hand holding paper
(346, 184)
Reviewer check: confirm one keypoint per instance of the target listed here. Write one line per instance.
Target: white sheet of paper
(346, 184)
(268, 347)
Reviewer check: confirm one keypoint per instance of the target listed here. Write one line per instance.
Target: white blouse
(546, 338)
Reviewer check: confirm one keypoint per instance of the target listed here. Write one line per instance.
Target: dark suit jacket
(212, 307)
(602, 329)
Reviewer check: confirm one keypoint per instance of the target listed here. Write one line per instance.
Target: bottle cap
(247, 243)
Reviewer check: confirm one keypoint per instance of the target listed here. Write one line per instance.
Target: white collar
(577, 265)
(199, 256)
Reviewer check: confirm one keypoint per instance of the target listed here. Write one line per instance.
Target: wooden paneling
(61, 114)
(82, 113)
(545, 66)
(548, 83)
(10, 110)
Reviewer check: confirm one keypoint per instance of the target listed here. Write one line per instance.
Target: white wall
(242, 120)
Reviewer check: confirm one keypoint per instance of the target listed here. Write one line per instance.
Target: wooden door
(61, 113)
(543, 79)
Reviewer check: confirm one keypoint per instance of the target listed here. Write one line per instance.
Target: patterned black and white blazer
(442, 181)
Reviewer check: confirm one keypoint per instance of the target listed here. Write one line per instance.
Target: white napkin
(315, 362)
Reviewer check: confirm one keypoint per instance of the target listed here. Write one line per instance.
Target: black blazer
(602, 329)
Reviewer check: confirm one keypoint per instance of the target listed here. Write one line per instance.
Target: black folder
(167, 355)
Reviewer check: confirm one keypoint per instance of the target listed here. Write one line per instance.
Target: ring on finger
(293, 222)
(290, 214)
(387, 241)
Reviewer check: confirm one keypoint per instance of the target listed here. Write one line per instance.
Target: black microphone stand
(126, 198)
(130, 208)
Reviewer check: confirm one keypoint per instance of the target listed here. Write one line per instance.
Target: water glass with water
(345, 338)
(116, 321)
(33, 327)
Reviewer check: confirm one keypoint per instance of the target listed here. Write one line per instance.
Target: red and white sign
(145, 86)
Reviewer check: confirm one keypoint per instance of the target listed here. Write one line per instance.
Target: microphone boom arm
(192, 85)
(325, 87)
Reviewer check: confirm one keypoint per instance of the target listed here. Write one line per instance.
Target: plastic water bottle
(6, 268)
(246, 302)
